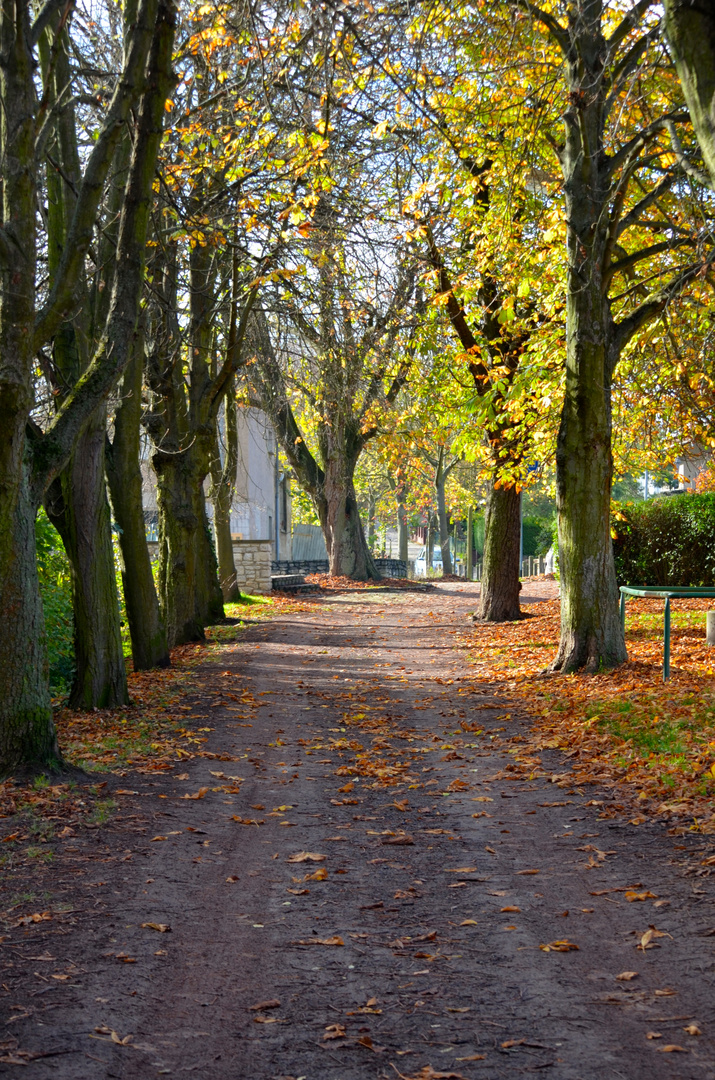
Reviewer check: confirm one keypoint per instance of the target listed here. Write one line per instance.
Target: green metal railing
(667, 594)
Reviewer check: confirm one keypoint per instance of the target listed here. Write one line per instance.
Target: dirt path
(412, 945)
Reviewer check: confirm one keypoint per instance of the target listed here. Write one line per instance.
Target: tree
(31, 457)
(620, 187)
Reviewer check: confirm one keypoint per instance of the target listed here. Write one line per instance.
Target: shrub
(667, 540)
(56, 590)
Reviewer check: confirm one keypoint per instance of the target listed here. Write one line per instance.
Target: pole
(470, 543)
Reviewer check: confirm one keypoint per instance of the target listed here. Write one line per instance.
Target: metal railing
(667, 594)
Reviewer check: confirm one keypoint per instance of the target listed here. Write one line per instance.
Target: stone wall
(253, 564)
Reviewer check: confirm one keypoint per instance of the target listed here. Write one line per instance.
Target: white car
(421, 562)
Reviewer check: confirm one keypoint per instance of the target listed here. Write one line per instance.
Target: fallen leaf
(266, 1020)
(489, 849)
(197, 794)
(672, 1048)
(335, 940)
(155, 838)
(318, 875)
(666, 992)
(522, 872)
(626, 976)
(653, 1035)
(559, 946)
(692, 1029)
(404, 840)
(272, 1003)
(162, 928)
(482, 798)
(334, 1031)
(461, 870)
(124, 791)
(472, 1057)
(125, 958)
(631, 896)
(469, 922)
(232, 879)
(298, 892)
(306, 856)
(511, 908)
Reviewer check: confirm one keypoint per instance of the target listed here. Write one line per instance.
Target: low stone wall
(253, 564)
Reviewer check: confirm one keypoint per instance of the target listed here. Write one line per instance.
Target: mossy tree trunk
(146, 624)
(77, 504)
(500, 585)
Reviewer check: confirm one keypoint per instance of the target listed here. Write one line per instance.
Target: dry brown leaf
(632, 896)
(653, 1035)
(666, 992)
(272, 1003)
(559, 946)
(335, 940)
(489, 849)
(320, 874)
(334, 1031)
(461, 870)
(672, 1048)
(306, 856)
(626, 976)
(162, 928)
(523, 872)
(692, 1029)
(233, 878)
(510, 908)
(404, 840)
(125, 958)
(298, 892)
(197, 794)
(469, 922)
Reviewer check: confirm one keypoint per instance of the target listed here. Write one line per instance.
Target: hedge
(667, 540)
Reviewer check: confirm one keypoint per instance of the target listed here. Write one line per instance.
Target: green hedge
(666, 541)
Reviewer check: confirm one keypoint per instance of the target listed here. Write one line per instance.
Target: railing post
(623, 613)
(666, 640)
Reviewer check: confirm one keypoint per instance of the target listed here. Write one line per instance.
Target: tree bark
(146, 626)
(348, 553)
(690, 29)
(77, 505)
(223, 484)
(188, 573)
(500, 585)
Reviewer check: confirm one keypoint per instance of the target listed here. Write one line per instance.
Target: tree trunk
(690, 28)
(348, 553)
(443, 522)
(188, 574)
(223, 482)
(77, 505)
(371, 522)
(500, 586)
(591, 634)
(403, 532)
(146, 625)
(27, 731)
